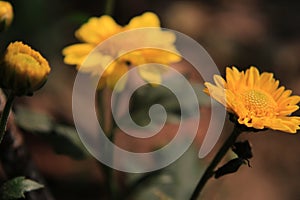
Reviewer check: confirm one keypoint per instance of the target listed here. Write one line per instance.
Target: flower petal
(159, 56)
(75, 54)
(97, 29)
(220, 82)
(152, 73)
(232, 76)
(148, 19)
(252, 75)
(116, 73)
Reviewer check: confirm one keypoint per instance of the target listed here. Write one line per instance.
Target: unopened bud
(23, 70)
(6, 15)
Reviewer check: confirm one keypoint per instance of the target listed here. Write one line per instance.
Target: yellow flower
(6, 14)
(256, 99)
(22, 69)
(96, 30)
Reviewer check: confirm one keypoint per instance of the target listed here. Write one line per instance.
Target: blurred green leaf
(33, 121)
(64, 139)
(175, 182)
(15, 188)
(147, 95)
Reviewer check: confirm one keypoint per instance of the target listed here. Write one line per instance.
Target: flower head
(23, 70)
(6, 14)
(96, 30)
(256, 99)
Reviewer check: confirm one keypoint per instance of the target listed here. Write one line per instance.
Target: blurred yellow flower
(6, 14)
(23, 70)
(97, 30)
(256, 99)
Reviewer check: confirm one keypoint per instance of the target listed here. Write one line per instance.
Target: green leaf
(175, 182)
(63, 139)
(147, 95)
(15, 188)
(33, 121)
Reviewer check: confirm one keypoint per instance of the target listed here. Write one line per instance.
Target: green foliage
(63, 138)
(174, 182)
(146, 96)
(16, 187)
(33, 122)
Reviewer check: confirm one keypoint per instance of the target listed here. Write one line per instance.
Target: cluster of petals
(115, 59)
(256, 99)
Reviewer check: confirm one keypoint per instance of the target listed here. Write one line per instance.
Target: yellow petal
(152, 73)
(265, 78)
(232, 76)
(75, 54)
(148, 19)
(217, 93)
(97, 30)
(78, 49)
(284, 95)
(119, 69)
(220, 82)
(252, 75)
(278, 93)
(96, 63)
(159, 56)
(158, 38)
(288, 110)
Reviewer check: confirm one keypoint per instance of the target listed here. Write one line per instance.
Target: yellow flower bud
(23, 70)
(6, 15)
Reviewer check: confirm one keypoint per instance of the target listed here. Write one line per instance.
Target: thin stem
(5, 114)
(210, 169)
(109, 7)
(114, 190)
(100, 107)
(109, 127)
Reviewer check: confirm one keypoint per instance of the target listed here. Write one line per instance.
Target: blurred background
(238, 32)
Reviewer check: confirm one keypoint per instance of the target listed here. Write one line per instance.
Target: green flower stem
(5, 114)
(100, 107)
(218, 157)
(110, 127)
(113, 187)
(109, 7)
(114, 190)
(111, 184)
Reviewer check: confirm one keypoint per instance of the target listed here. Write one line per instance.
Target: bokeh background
(238, 32)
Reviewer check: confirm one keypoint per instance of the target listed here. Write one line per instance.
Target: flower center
(258, 103)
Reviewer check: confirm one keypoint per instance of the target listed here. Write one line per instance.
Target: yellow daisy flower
(256, 99)
(97, 30)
